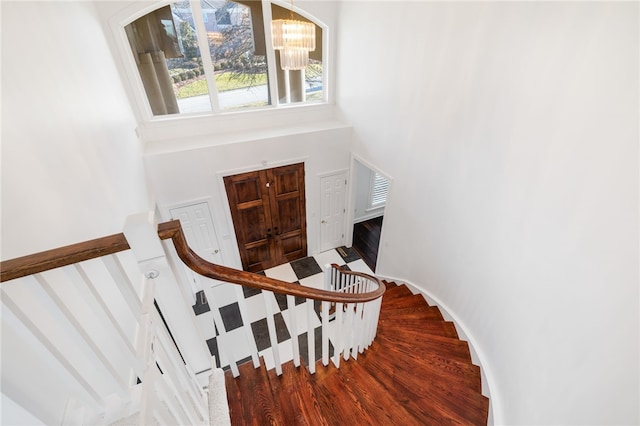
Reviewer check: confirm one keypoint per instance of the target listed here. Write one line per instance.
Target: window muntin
(237, 52)
(164, 47)
(233, 74)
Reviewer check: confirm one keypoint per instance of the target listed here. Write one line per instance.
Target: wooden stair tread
(452, 366)
(408, 403)
(444, 346)
(440, 328)
(406, 308)
(397, 292)
(431, 397)
(289, 391)
(263, 409)
(430, 365)
(420, 313)
(389, 284)
(404, 302)
(286, 390)
(371, 399)
(416, 372)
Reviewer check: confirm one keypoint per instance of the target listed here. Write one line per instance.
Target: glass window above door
(216, 56)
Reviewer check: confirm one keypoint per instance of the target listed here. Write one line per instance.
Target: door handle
(323, 221)
(276, 230)
(268, 232)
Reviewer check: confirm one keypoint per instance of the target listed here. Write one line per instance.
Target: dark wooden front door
(268, 212)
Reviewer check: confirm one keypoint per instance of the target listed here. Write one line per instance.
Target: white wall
(511, 131)
(71, 166)
(71, 169)
(197, 172)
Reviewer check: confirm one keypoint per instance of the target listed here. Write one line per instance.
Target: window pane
(311, 89)
(235, 32)
(165, 49)
(314, 89)
(187, 73)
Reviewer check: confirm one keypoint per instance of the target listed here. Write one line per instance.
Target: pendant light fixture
(294, 39)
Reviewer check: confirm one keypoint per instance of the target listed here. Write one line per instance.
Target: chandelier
(294, 39)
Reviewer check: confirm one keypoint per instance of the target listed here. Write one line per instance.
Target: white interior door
(197, 224)
(332, 207)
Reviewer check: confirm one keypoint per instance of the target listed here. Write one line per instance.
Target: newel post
(140, 231)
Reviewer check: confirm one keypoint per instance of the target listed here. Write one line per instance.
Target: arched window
(212, 56)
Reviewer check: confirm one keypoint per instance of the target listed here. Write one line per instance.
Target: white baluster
(168, 396)
(311, 336)
(120, 278)
(121, 384)
(271, 325)
(338, 330)
(92, 297)
(325, 332)
(141, 233)
(368, 324)
(224, 346)
(348, 330)
(376, 316)
(329, 284)
(149, 397)
(293, 328)
(172, 383)
(358, 334)
(95, 399)
(242, 305)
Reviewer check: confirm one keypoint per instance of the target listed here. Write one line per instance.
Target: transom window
(216, 56)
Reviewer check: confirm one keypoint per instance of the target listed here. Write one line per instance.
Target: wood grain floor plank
(417, 372)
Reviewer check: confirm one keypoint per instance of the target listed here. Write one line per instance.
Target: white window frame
(140, 101)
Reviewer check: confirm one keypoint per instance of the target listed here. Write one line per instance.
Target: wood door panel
(291, 246)
(269, 216)
(289, 215)
(248, 187)
(253, 224)
(288, 210)
(257, 256)
(286, 180)
(250, 212)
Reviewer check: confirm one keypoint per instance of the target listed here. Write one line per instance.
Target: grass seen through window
(224, 81)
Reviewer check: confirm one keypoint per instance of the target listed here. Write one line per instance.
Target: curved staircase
(417, 372)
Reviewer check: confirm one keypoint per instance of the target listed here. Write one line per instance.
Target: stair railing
(355, 324)
(356, 296)
(171, 393)
(91, 306)
(88, 311)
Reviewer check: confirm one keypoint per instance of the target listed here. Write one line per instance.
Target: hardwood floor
(417, 372)
(366, 240)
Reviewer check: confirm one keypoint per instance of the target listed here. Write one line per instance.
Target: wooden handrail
(172, 230)
(74, 253)
(62, 256)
